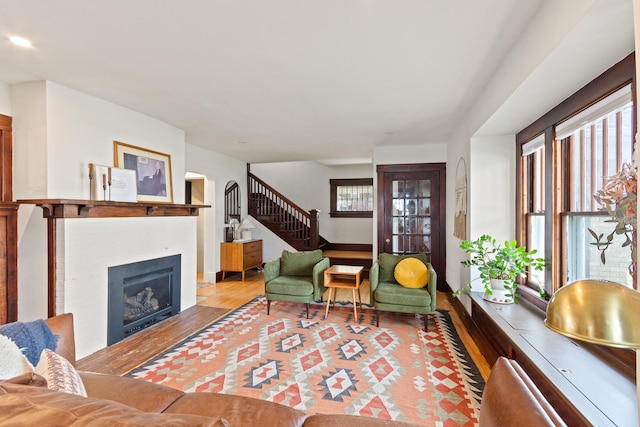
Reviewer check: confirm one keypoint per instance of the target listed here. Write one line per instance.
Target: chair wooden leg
(308, 310)
(268, 306)
(377, 318)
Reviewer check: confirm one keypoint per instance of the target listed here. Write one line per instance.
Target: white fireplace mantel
(86, 237)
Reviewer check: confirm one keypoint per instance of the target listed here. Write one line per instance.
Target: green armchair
(388, 295)
(295, 276)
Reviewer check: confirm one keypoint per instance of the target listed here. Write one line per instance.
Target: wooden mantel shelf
(67, 208)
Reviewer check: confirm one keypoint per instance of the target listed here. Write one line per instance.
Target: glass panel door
(411, 212)
(411, 216)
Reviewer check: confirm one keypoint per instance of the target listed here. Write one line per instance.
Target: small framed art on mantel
(153, 171)
(113, 184)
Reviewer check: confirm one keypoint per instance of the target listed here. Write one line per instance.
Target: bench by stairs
(350, 257)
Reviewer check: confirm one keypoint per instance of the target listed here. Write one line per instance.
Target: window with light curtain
(588, 149)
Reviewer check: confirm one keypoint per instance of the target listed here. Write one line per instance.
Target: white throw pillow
(14, 362)
(59, 373)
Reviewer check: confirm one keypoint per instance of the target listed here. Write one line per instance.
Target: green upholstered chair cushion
(288, 285)
(391, 293)
(299, 263)
(388, 263)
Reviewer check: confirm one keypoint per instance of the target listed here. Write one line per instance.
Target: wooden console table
(53, 209)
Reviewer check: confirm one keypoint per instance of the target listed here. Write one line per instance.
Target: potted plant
(619, 196)
(500, 265)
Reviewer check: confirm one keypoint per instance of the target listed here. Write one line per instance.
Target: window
(533, 153)
(564, 158)
(351, 198)
(593, 151)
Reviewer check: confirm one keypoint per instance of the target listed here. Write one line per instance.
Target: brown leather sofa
(510, 399)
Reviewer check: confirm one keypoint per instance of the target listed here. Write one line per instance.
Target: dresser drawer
(249, 247)
(252, 259)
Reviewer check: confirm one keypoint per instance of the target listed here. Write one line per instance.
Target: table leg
(326, 313)
(355, 306)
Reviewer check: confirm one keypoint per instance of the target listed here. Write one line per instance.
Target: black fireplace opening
(142, 294)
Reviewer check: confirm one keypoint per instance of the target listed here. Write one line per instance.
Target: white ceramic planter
(498, 293)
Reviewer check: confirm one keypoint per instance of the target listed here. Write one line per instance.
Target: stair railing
(267, 202)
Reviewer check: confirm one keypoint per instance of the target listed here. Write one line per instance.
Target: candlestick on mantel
(104, 185)
(109, 184)
(91, 173)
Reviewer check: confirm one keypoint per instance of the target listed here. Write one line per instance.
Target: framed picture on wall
(153, 171)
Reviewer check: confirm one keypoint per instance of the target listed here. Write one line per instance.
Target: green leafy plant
(619, 196)
(506, 261)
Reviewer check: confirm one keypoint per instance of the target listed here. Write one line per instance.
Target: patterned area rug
(397, 371)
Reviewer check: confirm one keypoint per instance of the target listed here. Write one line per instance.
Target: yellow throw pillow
(411, 273)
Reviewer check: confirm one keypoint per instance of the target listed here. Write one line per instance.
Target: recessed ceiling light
(20, 41)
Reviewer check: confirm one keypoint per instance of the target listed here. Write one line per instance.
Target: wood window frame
(333, 200)
(615, 78)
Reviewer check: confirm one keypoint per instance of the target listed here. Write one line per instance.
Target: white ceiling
(273, 80)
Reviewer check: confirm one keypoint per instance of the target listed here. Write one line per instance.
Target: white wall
(492, 196)
(57, 132)
(28, 103)
(218, 169)
(458, 149)
(432, 152)
(493, 186)
(5, 99)
(81, 129)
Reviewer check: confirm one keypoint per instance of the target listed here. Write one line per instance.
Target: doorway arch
(201, 190)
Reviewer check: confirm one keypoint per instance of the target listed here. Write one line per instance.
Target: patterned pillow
(60, 374)
(14, 362)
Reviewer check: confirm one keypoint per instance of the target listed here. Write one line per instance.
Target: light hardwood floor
(214, 301)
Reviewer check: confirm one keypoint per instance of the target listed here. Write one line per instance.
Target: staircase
(298, 227)
(290, 222)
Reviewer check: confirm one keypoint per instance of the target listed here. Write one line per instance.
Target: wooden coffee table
(343, 277)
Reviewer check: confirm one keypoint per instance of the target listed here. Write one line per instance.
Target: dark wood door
(411, 212)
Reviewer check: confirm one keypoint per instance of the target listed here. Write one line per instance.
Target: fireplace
(142, 294)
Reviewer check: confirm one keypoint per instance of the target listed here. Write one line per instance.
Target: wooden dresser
(240, 256)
